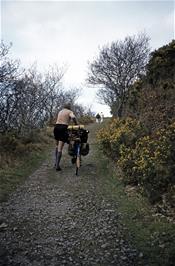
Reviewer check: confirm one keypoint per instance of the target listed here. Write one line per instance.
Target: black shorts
(60, 132)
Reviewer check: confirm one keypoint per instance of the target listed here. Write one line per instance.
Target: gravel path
(57, 218)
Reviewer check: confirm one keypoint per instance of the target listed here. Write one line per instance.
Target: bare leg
(56, 151)
(60, 146)
(59, 154)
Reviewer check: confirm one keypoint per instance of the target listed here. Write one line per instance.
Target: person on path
(60, 131)
(98, 117)
(102, 117)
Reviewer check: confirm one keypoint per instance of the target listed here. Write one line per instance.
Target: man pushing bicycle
(65, 116)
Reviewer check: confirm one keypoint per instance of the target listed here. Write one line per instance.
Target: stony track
(57, 218)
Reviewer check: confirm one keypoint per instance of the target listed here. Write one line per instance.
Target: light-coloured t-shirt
(64, 116)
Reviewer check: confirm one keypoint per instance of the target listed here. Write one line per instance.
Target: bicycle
(77, 137)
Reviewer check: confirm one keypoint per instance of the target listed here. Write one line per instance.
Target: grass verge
(151, 234)
(12, 177)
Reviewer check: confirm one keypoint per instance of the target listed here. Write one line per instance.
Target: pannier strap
(75, 127)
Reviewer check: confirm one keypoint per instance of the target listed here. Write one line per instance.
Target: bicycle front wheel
(78, 159)
(77, 164)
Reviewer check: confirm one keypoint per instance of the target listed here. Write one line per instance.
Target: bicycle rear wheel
(78, 160)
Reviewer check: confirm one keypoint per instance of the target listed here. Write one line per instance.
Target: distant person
(102, 117)
(60, 131)
(98, 117)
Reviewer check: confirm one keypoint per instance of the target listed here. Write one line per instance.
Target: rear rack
(75, 127)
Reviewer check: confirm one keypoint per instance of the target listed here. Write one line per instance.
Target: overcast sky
(71, 32)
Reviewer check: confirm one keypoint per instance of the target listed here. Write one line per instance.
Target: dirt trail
(57, 218)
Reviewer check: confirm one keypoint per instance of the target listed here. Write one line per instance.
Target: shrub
(145, 160)
(8, 142)
(151, 163)
(86, 119)
(151, 98)
(121, 132)
(15, 147)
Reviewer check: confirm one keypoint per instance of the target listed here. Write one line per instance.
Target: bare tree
(28, 99)
(53, 89)
(117, 67)
(9, 73)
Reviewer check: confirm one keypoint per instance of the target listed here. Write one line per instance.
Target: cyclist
(60, 131)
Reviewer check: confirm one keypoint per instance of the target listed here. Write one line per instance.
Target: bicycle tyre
(76, 172)
(77, 164)
(78, 160)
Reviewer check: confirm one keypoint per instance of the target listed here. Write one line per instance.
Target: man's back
(64, 116)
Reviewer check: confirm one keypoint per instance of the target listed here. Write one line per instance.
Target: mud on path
(57, 218)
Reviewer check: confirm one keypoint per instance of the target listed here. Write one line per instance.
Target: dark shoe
(58, 168)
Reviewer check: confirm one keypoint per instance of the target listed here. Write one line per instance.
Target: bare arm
(72, 116)
(75, 121)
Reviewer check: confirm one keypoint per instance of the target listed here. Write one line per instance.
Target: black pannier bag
(84, 144)
(84, 135)
(84, 149)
